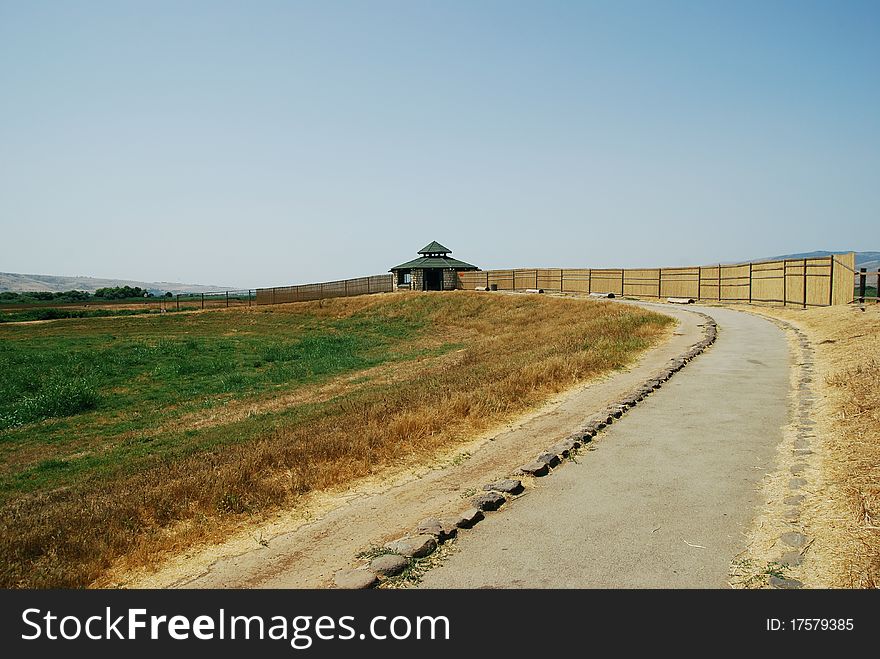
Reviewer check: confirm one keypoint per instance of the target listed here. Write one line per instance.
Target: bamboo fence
(811, 282)
(328, 289)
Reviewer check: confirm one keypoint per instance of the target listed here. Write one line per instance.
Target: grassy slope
(116, 432)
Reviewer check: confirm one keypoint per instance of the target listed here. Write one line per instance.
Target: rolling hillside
(869, 260)
(10, 281)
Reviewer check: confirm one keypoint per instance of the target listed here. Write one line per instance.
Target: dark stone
(549, 459)
(785, 584)
(796, 483)
(413, 547)
(488, 501)
(791, 515)
(535, 468)
(559, 450)
(469, 517)
(567, 445)
(440, 530)
(794, 539)
(795, 500)
(791, 559)
(586, 435)
(355, 579)
(797, 469)
(388, 565)
(507, 486)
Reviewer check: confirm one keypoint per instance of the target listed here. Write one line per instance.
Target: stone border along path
(432, 532)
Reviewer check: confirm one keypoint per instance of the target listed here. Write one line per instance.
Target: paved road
(664, 499)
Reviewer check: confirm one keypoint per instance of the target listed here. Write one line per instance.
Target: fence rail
(328, 289)
(213, 299)
(815, 282)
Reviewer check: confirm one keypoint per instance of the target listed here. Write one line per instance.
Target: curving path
(665, 498)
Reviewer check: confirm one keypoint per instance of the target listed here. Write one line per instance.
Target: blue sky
(260, 143)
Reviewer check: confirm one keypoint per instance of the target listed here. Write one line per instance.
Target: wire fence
(212, 300)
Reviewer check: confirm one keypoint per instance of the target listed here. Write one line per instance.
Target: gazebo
(434, 270)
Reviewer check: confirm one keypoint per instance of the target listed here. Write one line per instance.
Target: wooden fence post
(784, 282)
(203, 300)
(805, 283)
(831, 281)
(863, 278)
(719, 282)
(750, 282)
(659, 282)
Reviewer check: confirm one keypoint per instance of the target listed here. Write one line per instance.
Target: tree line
(109, 293)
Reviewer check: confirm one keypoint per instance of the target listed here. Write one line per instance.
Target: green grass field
(89, 384)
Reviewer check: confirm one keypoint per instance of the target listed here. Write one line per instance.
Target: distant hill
(18, 283)
(869, 260)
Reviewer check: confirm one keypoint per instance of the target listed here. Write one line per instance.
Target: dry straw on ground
(843, 512)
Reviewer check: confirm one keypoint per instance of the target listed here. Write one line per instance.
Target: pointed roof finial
(434, 248)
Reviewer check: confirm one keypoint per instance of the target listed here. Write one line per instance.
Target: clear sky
(256, 143)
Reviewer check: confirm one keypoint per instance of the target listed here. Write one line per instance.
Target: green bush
(56, 398)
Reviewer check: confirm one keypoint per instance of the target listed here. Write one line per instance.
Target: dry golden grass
(845, 519)
(519, 350)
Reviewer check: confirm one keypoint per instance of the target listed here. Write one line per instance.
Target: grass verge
(844, 517)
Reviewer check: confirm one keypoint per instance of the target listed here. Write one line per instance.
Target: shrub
(56, 398)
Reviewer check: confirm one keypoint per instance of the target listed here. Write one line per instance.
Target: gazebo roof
(435, 255)
(435, 248)
(435, 262)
